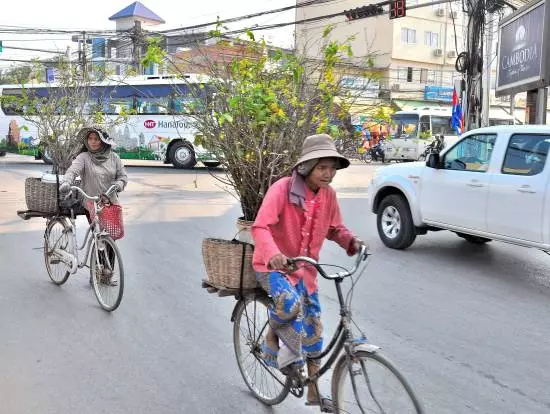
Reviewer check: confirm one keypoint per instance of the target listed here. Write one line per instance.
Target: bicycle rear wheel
(57, 238)
(369, 383)
(107, 273)
(268, 384)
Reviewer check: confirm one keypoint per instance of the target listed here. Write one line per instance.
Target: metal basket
(226, 260)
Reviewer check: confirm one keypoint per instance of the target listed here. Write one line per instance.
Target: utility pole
(487, 78)
(84, 63)
(137, 42)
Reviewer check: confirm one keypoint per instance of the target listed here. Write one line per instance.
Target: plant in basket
(260, 105)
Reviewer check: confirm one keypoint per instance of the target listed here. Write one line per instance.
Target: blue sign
(50, 75)
(98, 47)
(438, 93)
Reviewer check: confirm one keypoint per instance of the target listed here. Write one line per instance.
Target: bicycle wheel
(374, 386)
(107, 273)
(57, 238)
(268, 384)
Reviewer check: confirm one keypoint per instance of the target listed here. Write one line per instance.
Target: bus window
(404, 126)
(9, 101)
(156, 106)
(441, 125)
(117, 106)
(425, 124)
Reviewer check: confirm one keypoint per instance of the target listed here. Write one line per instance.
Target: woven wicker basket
(40, 196)
(223, 260)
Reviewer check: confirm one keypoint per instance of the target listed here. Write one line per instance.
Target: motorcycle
(434, 147)
(376, 153)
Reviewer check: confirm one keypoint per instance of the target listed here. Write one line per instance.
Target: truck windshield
(404, 126)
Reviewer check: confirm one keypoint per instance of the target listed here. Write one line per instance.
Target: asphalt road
(467, 325)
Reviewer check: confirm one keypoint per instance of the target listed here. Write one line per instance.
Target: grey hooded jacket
(96, 179)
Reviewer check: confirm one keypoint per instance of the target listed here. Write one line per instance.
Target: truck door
(518, 193)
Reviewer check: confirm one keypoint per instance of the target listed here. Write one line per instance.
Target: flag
(457, 120)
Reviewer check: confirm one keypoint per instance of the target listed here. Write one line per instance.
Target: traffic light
(398, 8)
(1, 47)
(362, 12)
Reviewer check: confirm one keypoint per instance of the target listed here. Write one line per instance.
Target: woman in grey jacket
(98, 166)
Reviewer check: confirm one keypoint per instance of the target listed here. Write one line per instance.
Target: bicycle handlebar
(96, 198)
(361, 255)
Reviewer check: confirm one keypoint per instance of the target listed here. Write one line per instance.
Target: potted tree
(262, 103)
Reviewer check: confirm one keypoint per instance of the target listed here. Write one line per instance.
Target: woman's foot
(324, 403)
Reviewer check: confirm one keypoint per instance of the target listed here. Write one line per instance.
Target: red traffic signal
(398, 8)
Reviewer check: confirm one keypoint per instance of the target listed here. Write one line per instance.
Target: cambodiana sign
(522, 54)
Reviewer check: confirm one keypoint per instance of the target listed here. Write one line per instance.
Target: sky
(85, 15)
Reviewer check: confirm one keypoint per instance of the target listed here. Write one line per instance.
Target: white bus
(159, 127)
(411, 131)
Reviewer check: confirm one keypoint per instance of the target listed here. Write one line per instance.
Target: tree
(16, 75)
(59, 110)
(255, 110)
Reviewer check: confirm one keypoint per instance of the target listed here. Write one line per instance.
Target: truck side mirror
(434, 161)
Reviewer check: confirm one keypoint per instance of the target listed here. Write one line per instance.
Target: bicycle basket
(223, 260)
(110, 220)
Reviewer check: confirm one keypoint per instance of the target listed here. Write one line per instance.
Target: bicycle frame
(342, 338)
(92, 234)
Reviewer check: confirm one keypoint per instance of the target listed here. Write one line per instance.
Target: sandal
(325, 404)
(268, 355)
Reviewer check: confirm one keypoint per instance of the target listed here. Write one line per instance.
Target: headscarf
(297, 190)
(102, 154)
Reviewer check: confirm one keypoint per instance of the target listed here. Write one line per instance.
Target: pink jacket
(283, 227)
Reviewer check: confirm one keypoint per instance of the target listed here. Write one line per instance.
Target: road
(468, 325)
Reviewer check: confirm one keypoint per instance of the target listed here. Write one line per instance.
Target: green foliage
(265, 103)
(155, 53)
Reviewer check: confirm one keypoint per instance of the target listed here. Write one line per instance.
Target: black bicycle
(363, 380)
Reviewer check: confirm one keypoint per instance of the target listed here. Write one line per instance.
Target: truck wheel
(473, 239)
(182, 155)
(394, 222)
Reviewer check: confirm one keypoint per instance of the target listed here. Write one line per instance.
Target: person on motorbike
(297, 214)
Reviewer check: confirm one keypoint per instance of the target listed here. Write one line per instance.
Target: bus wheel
(47, 157)
(182, 155)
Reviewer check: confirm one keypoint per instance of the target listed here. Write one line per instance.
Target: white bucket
(50, 178)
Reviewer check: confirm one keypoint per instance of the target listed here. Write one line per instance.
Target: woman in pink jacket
(298, 213)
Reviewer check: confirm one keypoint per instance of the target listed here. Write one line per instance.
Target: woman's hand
(355, 246)
(278, 262)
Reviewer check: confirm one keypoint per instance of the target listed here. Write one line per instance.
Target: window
(441, 125)
(526, 154)
(431, 39)
(425, 124)
(431, 76)
(470, 154)
(117, 106)
(409, 74)
(157, 106)
(408, 36)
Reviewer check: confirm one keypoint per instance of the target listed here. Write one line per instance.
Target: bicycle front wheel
(268, 384)
(57, 239)
(107, 273)
(369, 383)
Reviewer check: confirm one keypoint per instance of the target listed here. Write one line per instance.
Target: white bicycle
(98, 251)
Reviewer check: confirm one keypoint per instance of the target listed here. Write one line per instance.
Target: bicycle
(359, 363)
(61, 251)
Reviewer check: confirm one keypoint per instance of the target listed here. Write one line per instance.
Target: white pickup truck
(493, 184)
